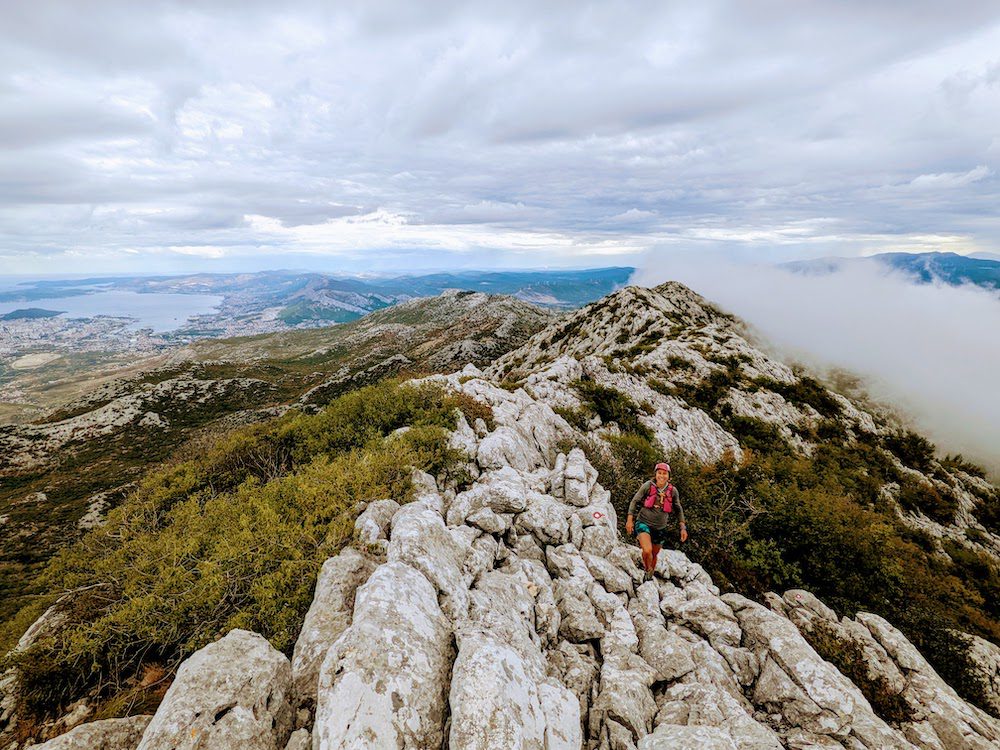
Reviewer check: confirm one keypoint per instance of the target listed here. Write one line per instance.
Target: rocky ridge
(658, 345)
(511, 615)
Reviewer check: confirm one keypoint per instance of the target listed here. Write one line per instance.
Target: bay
(162, 312)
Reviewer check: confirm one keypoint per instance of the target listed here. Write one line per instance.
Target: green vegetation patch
(938, 505)
(804, 392)
(912, 449)
(611, 405)
(708, 393)
(234, 536)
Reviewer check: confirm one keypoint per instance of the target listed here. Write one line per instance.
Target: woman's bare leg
(655, 552)
(647, 551)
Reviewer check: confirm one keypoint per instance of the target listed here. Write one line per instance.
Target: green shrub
(912, 449)
(757, 434)
(661, 387)
(707, 393)
(611, 405)
(938, 505)
(804, 392)
(987, 512)
(958, 463)
(675, 362)
(976, 535)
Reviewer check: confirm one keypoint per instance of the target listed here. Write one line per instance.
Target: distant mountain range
(305, 298)
(981, 269)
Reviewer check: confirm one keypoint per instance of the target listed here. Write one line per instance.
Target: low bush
(707, 393)
(611, 405)
(958, 463)
(924, 497)
(987, 512)
(912, 449)
(757, 434)
(804, 392)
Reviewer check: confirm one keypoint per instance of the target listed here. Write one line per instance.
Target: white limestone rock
(986, 657)
(301, 739)
(233, 693)
(384, 683)
(545, 518)
(495, 703)
(673, 737)
(373, 523)
(419, 538)
(329, 615)
(108, 734)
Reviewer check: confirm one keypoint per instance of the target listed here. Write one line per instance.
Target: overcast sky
(152, 136)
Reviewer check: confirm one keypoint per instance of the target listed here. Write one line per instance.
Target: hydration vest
(668, 497)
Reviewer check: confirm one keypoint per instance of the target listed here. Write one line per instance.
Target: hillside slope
(62, 475)
(491, 601)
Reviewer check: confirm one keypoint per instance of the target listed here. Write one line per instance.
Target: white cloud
(933, 351)
(946, 180)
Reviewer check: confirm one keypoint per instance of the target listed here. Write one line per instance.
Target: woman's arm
(643, 489)
(630, 519)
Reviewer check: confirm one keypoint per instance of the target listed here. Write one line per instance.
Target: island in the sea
(30, 313)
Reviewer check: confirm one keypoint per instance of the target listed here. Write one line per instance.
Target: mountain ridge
(782, 480)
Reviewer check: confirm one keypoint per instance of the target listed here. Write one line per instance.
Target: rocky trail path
(511, 615)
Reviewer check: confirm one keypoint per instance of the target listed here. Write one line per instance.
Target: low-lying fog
(931, 351)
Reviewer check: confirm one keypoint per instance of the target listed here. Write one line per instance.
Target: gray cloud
(569, 133)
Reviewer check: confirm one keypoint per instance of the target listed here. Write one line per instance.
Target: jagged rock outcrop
(986, 656)
(559, 641)
(234, 693)
(328, 617)
(384, 682)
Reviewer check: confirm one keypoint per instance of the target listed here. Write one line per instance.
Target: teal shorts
(656, 536)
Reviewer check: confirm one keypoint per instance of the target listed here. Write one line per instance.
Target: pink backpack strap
(651, 496)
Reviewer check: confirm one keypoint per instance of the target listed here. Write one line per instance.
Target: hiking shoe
(648, 575)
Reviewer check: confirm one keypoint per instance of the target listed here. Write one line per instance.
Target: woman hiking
(656, 499)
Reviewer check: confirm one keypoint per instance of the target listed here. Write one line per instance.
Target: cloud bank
(932, 351)
(169, 135)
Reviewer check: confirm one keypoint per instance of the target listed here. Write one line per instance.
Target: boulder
(109, 734)
(421, 540)
(384, 683)
(986, 658)
(234, 692)
(495, 703)
(373, 522)
(545, 519)
(673, 737)
(329, 615)
(301, 739)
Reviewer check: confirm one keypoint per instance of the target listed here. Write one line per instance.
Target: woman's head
(662, 473)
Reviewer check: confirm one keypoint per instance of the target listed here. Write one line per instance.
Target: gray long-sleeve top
(654, 517)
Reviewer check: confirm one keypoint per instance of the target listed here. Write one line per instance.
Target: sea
(162, 312)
